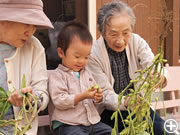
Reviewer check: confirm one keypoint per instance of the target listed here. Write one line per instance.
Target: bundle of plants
(27, 112)
(138, 121)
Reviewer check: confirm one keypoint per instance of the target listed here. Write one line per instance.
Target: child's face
(17, 34)
(76, 56)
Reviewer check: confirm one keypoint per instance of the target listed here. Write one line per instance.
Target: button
(9, 81)
(6, 61)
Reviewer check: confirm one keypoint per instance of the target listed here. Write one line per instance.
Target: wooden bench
(43, 120)
(44, 125)
(173, 86)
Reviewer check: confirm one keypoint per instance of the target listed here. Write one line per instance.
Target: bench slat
(43, 120)
(166, 104)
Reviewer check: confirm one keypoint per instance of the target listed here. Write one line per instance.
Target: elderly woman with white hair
(116, 56)
(22, 54)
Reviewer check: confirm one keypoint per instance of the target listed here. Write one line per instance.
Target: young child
(72, 109)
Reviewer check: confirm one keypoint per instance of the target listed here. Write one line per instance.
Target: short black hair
(70, 30)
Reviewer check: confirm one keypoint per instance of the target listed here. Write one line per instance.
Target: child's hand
(90, 93)
(98, 96)
(16, 99)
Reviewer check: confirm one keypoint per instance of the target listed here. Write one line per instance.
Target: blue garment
(95, 129)
(6, 51)
(77, 74)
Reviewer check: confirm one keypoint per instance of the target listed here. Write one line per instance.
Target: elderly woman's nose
(120, 40)
(30, 30)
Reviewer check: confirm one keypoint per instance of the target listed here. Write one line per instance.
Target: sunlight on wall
(92, 17)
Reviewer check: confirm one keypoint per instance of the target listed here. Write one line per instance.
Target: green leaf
(125, 131)
(113, 132)
(7, 107)
(4, 106)
(1, 89)
(2, 92)
(9, 93)
(113, 115)
(1, 105)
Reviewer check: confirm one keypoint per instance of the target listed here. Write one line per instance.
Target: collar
(66, 69)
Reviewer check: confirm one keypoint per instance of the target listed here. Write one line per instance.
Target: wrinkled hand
(129, 101)
(161, 80)
(164, 83)
(16, 99)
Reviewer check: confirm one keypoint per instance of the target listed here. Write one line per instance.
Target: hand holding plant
(99, 96)
(98, 93)
(139, 121)
(24, 98)
(16, 99)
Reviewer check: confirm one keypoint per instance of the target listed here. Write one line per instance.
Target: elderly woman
(116, 56)
(21, 53)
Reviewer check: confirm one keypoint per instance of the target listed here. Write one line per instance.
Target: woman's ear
(60, 52)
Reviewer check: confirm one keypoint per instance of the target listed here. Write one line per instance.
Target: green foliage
(139, 120)
(4, 104)
(143, 133)
(96, 87)
(24, 114)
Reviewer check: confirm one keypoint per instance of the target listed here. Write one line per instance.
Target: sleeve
(110, 97)
(58, 91)
(39, 73)
(144, 53)
(146, 56)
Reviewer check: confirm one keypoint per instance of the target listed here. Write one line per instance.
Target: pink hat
(24, 11)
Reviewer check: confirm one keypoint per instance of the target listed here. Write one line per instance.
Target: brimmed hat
(24, 11)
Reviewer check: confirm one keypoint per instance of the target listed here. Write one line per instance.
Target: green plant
(25, 115)
(139, 120)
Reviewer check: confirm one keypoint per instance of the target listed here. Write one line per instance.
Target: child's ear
(60, 52)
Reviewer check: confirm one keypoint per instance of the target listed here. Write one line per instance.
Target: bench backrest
(173, 86)
(43, 120)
